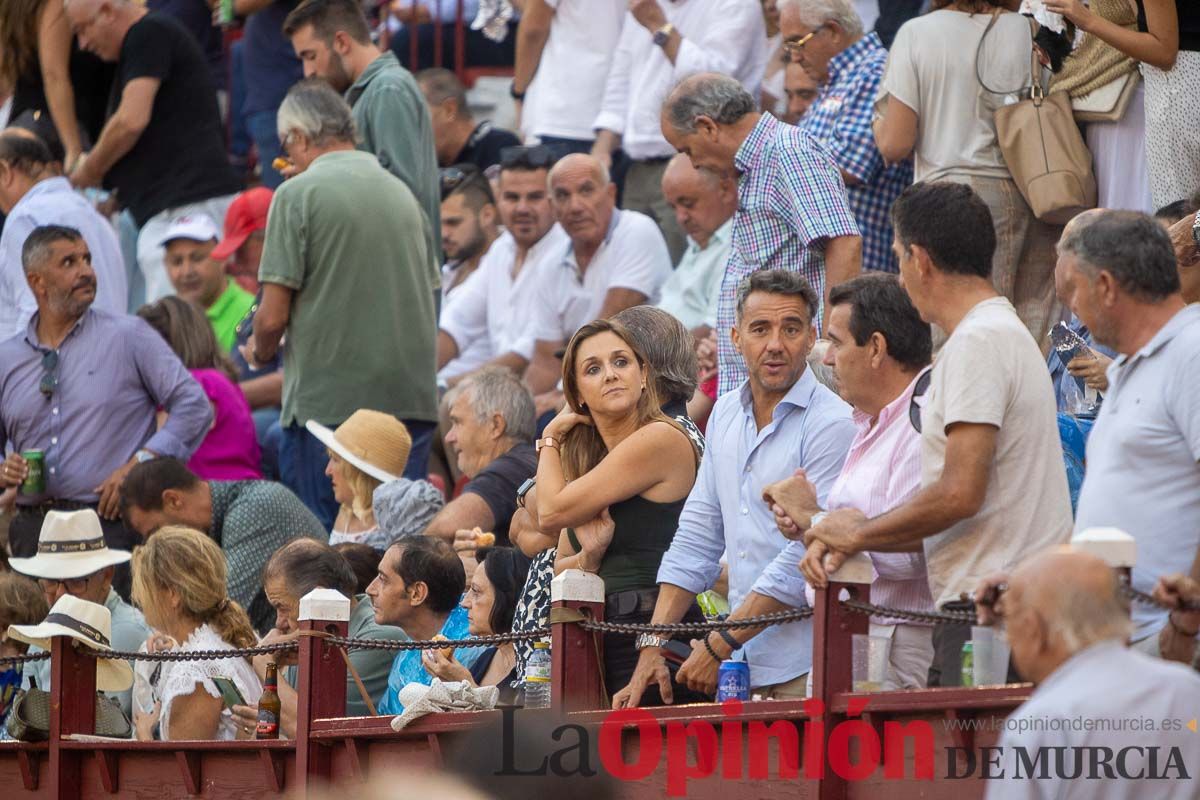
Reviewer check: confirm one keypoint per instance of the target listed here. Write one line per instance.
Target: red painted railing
(329, 748)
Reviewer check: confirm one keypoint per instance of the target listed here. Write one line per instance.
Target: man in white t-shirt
(994, 490)
(1118, 274)
(489, 314)
(616, 259)
(564, 49)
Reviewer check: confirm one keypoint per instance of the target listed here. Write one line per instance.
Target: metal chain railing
(196, 655)
(1143, 597)
(775, 618)
(8, 661)
(948, 617)
(437, 644)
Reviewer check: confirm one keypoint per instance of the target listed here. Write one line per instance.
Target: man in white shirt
(1083, 732)
(484, 312)
(994, 489)
(564, 49)
(703, 203)
(1117, 272)
(33, 194)
(663, 41)
(616, 259)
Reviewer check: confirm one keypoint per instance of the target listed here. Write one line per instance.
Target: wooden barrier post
(72, 710)
(576, 680)
(321, 689)
(833, 627)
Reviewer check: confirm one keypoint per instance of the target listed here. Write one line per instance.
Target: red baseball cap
(247, 214)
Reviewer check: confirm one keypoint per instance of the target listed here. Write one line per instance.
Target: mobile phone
(229, 691)
(677, 651)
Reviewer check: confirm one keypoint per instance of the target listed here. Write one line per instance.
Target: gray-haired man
(344, 273)
(492, 427)
(792, 209)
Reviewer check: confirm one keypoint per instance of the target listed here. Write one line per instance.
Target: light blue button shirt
(693, 289)
(810, 428)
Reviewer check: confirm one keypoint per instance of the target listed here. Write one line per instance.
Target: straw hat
(374, 442)
(70, 545)
(89, 623)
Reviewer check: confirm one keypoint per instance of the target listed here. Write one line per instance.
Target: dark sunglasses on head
(49, 372)
(521, 157)
(452, 178)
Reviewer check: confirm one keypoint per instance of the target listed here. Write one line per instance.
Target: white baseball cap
(196, 227)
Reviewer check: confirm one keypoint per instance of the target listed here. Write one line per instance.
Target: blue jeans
(261, 125)
(302, 460)
(239, 136)
(268, 432)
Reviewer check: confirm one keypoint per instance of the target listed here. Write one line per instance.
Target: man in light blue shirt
(778, 420)
(32, 194)
(703, 203)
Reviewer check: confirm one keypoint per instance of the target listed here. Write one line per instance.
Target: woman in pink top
(229, 451)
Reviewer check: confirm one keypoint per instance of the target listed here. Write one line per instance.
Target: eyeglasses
(49, 380)
(283, 141)
(73, 585)
(796, 47)
(521, 157)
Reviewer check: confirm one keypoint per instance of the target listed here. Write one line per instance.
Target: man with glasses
(83, 386)
(468, 230)
(486, 308)
(826, 38)
(73, 558)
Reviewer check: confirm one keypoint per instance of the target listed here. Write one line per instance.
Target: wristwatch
(513, 93)
(524, 490)
(548, 441)
(1196, 229)
(645, 640)
(143, 456)
(663, 35)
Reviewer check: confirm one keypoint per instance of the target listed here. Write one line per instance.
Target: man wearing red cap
(245, 229)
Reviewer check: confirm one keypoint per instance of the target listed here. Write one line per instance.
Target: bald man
(616, 259)
(703, 203)
(1118, 715)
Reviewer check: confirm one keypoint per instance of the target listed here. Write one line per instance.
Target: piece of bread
(485, 539)
(280, 164)
(447, 652)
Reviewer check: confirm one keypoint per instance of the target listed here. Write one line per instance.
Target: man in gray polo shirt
(1119, 275)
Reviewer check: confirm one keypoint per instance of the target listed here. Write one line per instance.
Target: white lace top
(180, 678)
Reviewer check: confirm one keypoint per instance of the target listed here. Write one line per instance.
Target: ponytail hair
(189, 562)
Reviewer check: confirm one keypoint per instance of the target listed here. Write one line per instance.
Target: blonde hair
(187, 561)
(363, 486)
(583, 447)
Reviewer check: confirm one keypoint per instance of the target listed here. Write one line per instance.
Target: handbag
(1109, 102)
(1043, 148)
(29, 717)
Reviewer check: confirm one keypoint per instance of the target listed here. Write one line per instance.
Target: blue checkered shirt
(791, 199)
(840, 119)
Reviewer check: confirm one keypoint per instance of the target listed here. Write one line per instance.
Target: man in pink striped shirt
(880, 351)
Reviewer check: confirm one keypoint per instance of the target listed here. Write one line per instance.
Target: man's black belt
(55, 504)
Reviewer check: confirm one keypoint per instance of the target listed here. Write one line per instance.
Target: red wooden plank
(272, 761)
(106, 763)
(189, 768)
(30, 762)
(72, 710)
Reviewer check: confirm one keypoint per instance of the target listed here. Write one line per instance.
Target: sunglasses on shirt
(49, 380)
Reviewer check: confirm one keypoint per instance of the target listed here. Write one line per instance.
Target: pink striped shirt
(882, 470)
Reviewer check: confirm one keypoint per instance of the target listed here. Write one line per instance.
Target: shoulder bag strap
(1033, 66)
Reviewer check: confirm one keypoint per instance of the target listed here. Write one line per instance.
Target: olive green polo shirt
(349, 239)
(227, 313)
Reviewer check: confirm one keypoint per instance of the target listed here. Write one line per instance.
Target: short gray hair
(1129, 245)
(314, 109)
(777, 281)
(497, 390)
(815, 13)
(719, 97)
(667, 345)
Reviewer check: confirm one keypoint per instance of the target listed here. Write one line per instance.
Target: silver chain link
(775, 618)
(947, 617)
(9, 661)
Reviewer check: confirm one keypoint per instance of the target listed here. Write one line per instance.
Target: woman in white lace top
(179, 580)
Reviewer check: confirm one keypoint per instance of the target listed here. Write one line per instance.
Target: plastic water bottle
(537, 677)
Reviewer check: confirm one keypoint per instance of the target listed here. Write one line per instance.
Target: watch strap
(727, 637)
(546, 441)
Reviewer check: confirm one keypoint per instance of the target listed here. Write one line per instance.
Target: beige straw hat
(374, 442)
(86, 622)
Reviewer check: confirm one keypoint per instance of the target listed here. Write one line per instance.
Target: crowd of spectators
(749, 289)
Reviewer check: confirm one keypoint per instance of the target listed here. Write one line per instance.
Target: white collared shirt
(633, 256)
(693, 289)
(491, 305)
(724, 36)
(54, 202)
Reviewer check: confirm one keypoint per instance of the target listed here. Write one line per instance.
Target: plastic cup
(991, 656)
(870, 661)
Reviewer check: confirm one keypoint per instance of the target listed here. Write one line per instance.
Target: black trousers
(26, 526)
(621, 657)
(948, 641)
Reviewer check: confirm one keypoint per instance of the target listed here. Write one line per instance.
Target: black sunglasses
(452, 179)
(537, 156)
(49, 380)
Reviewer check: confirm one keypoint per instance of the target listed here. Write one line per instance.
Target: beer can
(733, 681)
(225, 15)
(968, 664)
(35, 480)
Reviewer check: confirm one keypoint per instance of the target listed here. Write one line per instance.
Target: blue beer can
(733, 681)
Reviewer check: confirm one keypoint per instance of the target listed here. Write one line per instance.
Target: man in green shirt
(333, 42)
(344, 272)
(294, 571)
(249, 519)
(199, 278)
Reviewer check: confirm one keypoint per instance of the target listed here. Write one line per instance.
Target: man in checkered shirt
(792, 209)
(826, 38)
